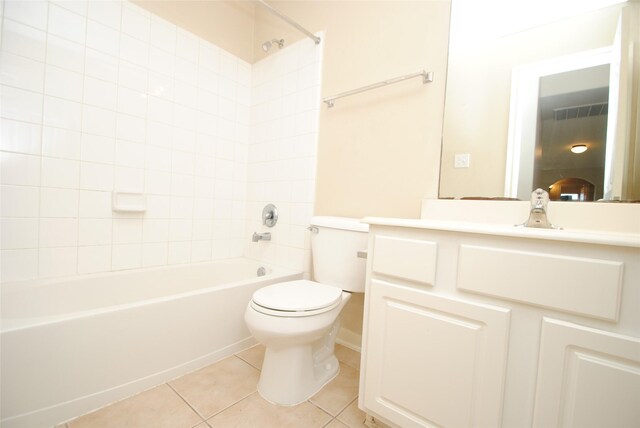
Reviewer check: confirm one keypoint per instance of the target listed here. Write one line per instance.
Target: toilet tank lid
(344, 223)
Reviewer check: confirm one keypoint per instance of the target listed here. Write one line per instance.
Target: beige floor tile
(335, 424)
(253, 356)
(217, 386)
(352, 416)
(157, 407)
(254, 411)
(348, 356)
(338, 393)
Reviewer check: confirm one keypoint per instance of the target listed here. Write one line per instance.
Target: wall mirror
(528, 81)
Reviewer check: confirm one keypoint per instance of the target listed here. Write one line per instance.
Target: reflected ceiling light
(579, 148)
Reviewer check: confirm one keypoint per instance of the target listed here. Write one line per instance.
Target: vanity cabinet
(468, 328)
(587, 377)
(434, 360)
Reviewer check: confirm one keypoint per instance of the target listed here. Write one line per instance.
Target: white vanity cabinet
(465, 327)
(434, 360)
(587, 377)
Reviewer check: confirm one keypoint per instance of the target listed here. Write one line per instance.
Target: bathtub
(71, 346)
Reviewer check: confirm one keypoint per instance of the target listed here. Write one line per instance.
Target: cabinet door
(433, 360)
(587, 377)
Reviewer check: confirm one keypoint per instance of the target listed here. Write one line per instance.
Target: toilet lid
(295, 296)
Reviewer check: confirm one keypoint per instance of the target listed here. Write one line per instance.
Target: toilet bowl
(298, 321)
(299, 358)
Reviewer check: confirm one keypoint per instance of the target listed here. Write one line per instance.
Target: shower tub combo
(71, 346)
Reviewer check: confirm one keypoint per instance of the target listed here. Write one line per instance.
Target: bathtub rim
(9, 325)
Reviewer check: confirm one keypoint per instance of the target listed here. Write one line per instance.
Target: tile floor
(224, 394)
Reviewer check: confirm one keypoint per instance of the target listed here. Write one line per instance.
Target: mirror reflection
(558, 124)
(527, 85)
(571, 141)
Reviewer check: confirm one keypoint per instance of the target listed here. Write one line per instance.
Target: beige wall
(227, 24)
(379, 152)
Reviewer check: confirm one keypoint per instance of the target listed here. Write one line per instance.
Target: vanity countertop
(620, 239)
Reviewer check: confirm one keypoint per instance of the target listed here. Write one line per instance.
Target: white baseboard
(349, 339)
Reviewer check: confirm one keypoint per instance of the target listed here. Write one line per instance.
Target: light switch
(462, 160)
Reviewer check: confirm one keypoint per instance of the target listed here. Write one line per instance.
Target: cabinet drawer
(410, 259)
(573, 284)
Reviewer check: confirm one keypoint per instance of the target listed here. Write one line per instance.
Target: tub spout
(266, 236)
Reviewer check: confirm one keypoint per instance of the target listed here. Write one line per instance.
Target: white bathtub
(71, 346)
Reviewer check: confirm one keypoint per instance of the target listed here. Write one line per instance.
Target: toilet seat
(296, 298)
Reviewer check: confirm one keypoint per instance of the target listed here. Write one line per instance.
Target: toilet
(297, 321)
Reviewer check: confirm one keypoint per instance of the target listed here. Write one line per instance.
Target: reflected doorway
(572, 189)
(572, 114)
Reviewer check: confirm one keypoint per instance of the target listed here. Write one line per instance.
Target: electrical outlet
(462, 161)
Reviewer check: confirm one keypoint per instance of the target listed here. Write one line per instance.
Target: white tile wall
(285, 102)
(32, 13)
(100, 96)
(21, 39)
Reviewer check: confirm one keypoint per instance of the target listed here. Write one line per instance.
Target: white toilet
(298, 321)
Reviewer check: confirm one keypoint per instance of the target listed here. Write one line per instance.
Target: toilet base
(299, 356)
(292, 375)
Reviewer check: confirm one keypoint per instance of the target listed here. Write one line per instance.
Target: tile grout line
(246, 361)
(348, 404)
(328, 423)
(82, 116)
(325, 410)
(187, 403)
(204, 419)
(343, 410)
(339, 412)
(231, 405)
(41, 133)
(322, 410)
(112, 165)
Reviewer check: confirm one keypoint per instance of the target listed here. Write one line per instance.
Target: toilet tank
(334, 249)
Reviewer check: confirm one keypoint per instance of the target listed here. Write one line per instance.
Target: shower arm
(290, 21)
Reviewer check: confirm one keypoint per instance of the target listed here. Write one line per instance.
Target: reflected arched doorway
(572, 189)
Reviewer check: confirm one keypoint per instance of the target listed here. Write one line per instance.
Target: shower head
(267, 45)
